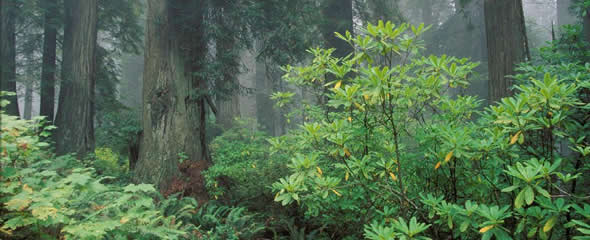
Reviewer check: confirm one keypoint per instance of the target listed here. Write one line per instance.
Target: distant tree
(51, 24)
(8, 13)
(506, 44)
(75, 119)
(283, 30)
(586, 19)
(228, 46)
(337, 17)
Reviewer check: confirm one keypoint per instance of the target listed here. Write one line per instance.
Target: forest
(295, 119)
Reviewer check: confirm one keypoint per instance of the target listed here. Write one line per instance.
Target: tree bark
(337, 18)
(506, 44)
(8, 13)
(28, 109)
(265, 111)
(586, 25)
(49, 56)
(427, 14)
(174, 97)
(75, 120)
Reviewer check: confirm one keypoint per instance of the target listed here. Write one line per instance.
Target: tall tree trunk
(586, 25)
(174, 97)
(506, 44)
(49, 56)
(75, 120)
(337, 18)
(8, 13)
(427, 14)
(264, 105)
(28, 109)
(563, 13)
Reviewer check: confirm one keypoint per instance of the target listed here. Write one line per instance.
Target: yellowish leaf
(28, 189)
(338, 84)
(485, 229)
(253, 166)
(337, 193)
(366, 96)
(515, 137)
(349, 119)
(361, 108)
(6, 231)
(124, 220)
(393, 177)
(319, 170)
(44, 212)
(449, 156)
(18, 204)
(437, 165)
(346, 152)
(346, 176)
(549, 224)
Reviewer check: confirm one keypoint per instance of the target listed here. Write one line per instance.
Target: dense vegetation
(386, 143)
(390, 155)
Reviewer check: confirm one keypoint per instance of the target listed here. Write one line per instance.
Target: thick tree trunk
(75, 132)
(337, 18)
(506, 44)
(8, 13)
(49, 56)
(174, 98)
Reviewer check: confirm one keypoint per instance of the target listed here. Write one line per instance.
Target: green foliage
(222, 222)
(241, 167)
(54, 197)
(399, 229)
(106, 161)
(388, 137)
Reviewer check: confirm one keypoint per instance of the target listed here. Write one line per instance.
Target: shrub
(390, 138)
(242, 170)
(48, 197)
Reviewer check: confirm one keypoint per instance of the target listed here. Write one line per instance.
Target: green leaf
(464, 226)
(529, 195)
(550, 223)
(509, 189)
(8, 172)
(139, 188)
(519, 200)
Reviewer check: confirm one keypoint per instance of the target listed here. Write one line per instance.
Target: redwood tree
(174, 96)
(75, 132)
(8, 12)
(50, 27)
(506, 44)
